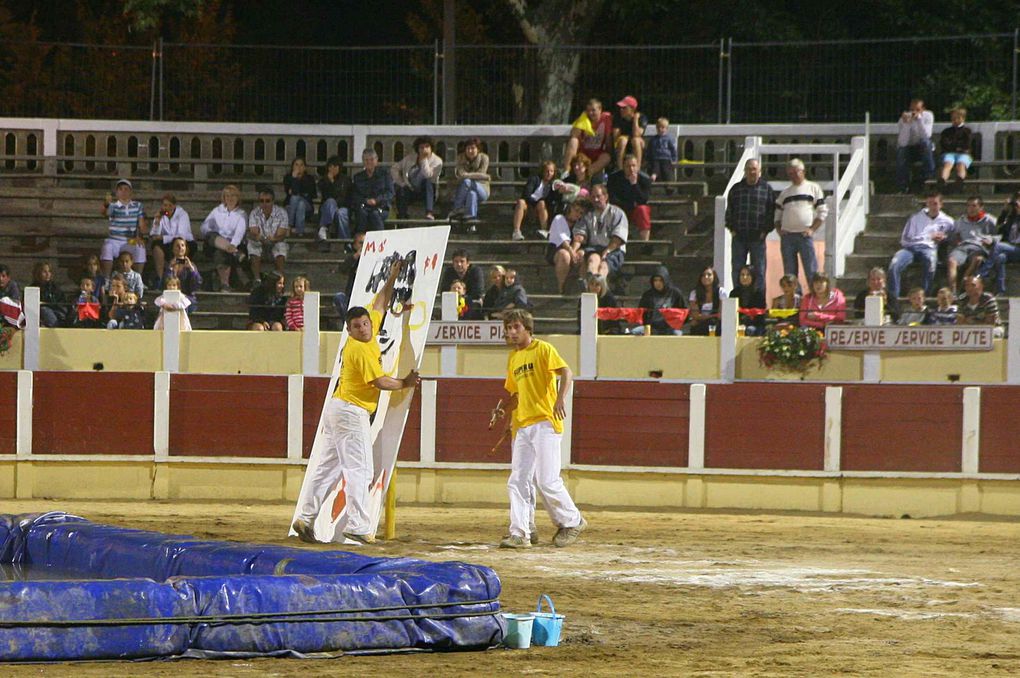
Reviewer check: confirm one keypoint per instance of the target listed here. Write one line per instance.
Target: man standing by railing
(750, 214)
(800, 211)
(913, 141)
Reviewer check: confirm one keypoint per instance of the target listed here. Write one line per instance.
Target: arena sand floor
(671, 593)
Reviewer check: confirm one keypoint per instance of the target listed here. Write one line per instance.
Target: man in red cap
(629, 128)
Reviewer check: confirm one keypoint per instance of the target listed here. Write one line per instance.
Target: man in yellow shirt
(347, 454)
(540, 409)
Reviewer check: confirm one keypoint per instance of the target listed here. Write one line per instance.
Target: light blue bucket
(518, 630)
(547, 626)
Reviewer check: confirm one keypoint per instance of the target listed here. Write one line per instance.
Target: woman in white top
(171, 222)
(705, 304)
(223, 231)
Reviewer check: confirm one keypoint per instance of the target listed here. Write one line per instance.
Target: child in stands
(87, 307)
(172, 283)
(294, 313)
(945, 314)
(92, 271)
(918, 312)
(662, 154)
(132, 279)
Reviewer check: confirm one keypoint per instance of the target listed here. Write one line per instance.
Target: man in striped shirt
(127, 228)
(975, 306)
(800, 211)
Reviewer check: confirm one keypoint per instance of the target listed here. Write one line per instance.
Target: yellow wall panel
(11, 360)
(634, 357)
(969, 366)
(117, 350)
(240, 352)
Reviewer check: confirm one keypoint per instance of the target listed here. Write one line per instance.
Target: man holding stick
(539, 407)
(347, 454)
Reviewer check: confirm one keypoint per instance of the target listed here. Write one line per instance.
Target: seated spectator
(128, 227)
(416, 177)
(975, 306)
(267, 233)
(538, 194)
(599, 286)
(705, 302)
(955, 146)
(300, 193)
(823, 305)
(52, 304)
(511, 295)
(789, 300)
(181, 308)
(750, 297)
(127, 314)
(472, 178)
(629, 189)
(181, 267)
(578, 183)
(591, 135)
(559, 252)
(90, 269)
(660, 294)
(9, 288)
(917, 313)
(223, 231)
(465, 309)
(877, 288)
(87, 307)
(334, 213)
(132, 280)
(662, 154)
(973, 237)
(1007, 247)
(946, 311)
(371, 194)
(116, 292)
(462, 269)
(629, 131)
(266, 304)
(294, 313)
(602, 233)
(497, 280)
(919, 242)
(171, 222)
(913, 142)
(348, 266)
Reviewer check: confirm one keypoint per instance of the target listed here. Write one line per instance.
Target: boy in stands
(539, 407)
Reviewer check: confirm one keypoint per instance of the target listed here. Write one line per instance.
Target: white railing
(848, 205)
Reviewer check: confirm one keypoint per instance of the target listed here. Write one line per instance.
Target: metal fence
(726, 81)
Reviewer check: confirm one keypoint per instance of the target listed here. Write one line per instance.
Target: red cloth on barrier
(88, 311)
(635, 316)
(675, 317)
(753, 312)
(10, 311)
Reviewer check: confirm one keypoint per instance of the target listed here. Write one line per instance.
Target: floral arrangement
(788, 348)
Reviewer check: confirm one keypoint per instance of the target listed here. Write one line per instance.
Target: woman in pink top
(825, 304)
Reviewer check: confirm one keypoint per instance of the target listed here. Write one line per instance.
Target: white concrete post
(1013, 345)
(696, 428)
(310, 335)
(429, 399)
(448, 354)
(969, 462)
(589, 336)
(172, 332)
(831, 225)
(23, 442)
(161, 415)
(296, 411)
(30, 357)
(723, 245)
(873, 312)
(833, 427)
(728, 339)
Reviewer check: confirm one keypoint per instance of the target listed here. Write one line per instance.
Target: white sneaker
(517, 236)
(322, 233)
(543, 234)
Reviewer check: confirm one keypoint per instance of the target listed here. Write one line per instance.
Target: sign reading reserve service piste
(909, 338)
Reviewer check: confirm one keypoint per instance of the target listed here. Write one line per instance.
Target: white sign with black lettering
(466, 332)
(909, 338)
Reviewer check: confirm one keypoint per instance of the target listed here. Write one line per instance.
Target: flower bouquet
(787, 348)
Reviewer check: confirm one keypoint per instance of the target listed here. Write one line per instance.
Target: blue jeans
(297, 210)
(740, 247)
(340, 302)
(1002, 252)
(330, 214)
(368, 218)
(905, 257)
(905, 155)
(470, 194)
(792, 244)
(420, 188)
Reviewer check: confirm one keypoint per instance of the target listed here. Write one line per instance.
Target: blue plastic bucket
(547, 626)
(518, 630)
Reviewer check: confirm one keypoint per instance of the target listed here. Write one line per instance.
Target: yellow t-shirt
(531, 375)
(361, 364)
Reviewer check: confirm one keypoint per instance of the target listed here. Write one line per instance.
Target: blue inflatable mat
(209, 598)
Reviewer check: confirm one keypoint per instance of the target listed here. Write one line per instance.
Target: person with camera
(171, 222)
(181, 267)
(913, 142)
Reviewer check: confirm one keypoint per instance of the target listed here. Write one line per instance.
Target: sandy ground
(673, 593)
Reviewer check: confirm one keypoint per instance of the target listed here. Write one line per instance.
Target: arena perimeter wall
(874, 449)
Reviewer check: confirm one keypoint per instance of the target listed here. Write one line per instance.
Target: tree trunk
(556, 95)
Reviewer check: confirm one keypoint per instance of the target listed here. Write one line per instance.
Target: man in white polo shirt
(800, 211)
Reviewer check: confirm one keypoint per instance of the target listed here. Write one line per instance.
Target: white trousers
(347, 454)
(536, 457)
